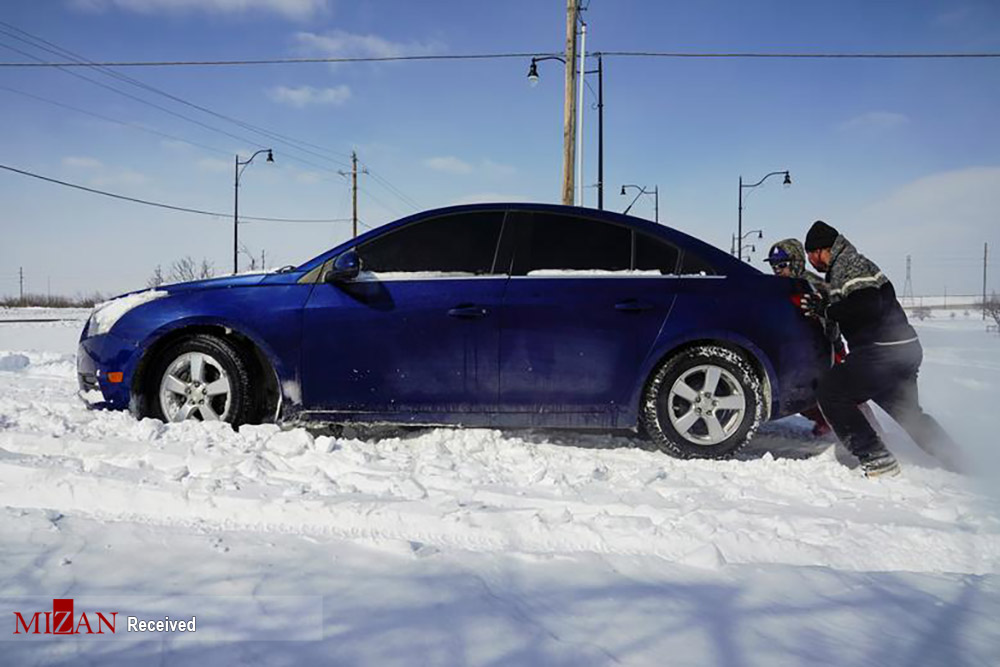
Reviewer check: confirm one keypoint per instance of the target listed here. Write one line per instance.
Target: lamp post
(643, 191)
(739, 227)
(236, 200)
(533, 81)
(732, 246)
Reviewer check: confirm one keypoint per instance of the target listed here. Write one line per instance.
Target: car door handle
(466, 312)
(633, 306)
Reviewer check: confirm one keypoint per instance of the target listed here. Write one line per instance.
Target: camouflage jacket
(797, 268)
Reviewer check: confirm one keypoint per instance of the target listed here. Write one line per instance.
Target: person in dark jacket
(788, 260)
(883, 360)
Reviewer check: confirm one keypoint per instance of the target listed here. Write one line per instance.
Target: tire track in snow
(479, 490)
(486, 520)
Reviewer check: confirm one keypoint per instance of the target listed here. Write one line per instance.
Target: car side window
(694, 265)
(652, 254)
(556, 242)
(463, 243)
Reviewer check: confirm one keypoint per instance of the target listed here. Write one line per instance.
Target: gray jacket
(863, 300)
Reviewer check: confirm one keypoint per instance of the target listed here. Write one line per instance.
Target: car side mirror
(345, 268)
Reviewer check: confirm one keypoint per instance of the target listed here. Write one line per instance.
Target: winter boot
(878, 463)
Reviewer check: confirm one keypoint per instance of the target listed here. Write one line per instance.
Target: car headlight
(107, 313)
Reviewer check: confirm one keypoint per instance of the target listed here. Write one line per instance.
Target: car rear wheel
(201, 378)
(705, 402)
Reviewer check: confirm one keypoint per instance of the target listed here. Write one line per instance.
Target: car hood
(243, 280)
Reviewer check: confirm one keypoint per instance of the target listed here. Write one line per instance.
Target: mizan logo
(62, 621)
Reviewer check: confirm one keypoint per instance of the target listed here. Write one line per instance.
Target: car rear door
(579, 317)
(418, 331)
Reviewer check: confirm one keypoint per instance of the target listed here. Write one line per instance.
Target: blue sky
(901, 156)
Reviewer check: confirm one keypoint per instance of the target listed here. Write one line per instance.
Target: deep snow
(476, 546)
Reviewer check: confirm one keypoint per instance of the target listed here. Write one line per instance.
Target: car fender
(285, 376)
(665, 347)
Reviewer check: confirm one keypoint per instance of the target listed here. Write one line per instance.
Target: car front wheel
(705, 402)
(202, 378)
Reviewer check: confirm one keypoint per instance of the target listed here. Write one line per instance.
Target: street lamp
(643, 191)
(236, 200)
(739, 228)
(533, 81)
(732, 247)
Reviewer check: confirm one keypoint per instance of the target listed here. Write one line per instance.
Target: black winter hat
(820, 235)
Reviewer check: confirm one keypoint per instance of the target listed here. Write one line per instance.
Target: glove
(814, 305)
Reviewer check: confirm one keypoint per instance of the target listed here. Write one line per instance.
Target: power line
(379, 179)
(171, 207)
(139, 99)
(498, 56)
(117, 121)
(391, 209)
(393, 189)
(279, 61)
(55, 49)
(847, 56)
(297, 144)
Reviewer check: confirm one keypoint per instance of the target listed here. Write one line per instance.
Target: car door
(579, 316)
(418, 331)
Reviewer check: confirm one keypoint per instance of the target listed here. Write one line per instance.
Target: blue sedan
(498, 315)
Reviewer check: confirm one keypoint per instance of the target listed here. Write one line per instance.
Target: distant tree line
(52, 301)
(992, 309)
(183, 270)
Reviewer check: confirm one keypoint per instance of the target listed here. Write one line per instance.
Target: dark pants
(886, 374)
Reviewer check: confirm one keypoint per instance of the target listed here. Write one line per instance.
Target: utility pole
(354, 190)
(600, 132)
(986, 247)
(582, 52)
(21, 274)
(354, 193)
(569, 105)
(908, 285)
(263, 266)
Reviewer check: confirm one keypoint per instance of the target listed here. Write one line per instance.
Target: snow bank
(487, 547)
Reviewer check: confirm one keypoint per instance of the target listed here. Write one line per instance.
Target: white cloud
(497, 169)
(342, 44)
(449, 164)
(943, 215)
(875, 120)
(176, 145)
(954, 17)
(100, 175)
(214, 165)
(302, 96)
(82, 162)
(125, 177)
(942, 204)
(308, 177)
(453, 165)
(293, 9)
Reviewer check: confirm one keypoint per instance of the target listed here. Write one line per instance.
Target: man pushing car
(883, 360)
(788, 260)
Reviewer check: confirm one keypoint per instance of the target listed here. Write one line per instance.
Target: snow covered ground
(450, 547)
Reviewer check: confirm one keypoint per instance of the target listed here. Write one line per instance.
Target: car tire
(203, 378)
(704, 402)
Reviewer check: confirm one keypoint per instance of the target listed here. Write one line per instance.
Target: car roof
(723, 261)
